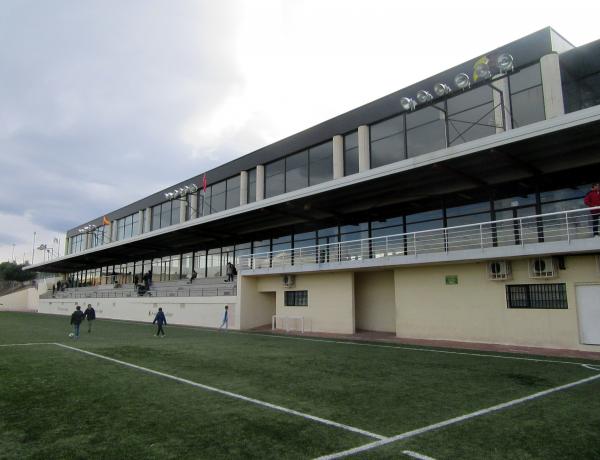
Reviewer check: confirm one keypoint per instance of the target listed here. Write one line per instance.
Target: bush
(11, 271)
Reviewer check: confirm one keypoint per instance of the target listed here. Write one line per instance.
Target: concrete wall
(189, 311)
(475, 309)
(375, 301)
(330, 300)
(25, 299)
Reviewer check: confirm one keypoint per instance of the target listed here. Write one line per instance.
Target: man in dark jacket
(90, 315)
(76, 319)
(592, 199)
(160, 320)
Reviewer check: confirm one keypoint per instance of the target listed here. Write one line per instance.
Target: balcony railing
(210, 291)
(521, 231)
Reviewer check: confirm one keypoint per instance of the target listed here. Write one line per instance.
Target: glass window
(527, 98)
(187, 265)
(548, 296)
(275, 178)
(206, 210)
(426, 215)
(387, 141)
(468, 209)
(281, 243)
(200, 263)
(165, 214)
(135, 224)
(296, 298)
(471, 115)
(175, 210)
(296, 171)
(426, 131)
(354, 232)
(233, 192)
(525, 78)
(213, 263)
(351, 153)
(321, 163)
(302, 240)
(252, 185)
(217, 202)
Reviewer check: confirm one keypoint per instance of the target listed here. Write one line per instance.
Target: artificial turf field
(58, 402)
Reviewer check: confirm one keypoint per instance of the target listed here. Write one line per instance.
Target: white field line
(358, 344)
(25, 344)
(230, 394)
(594, 368)
(452, 421)
(417, 455)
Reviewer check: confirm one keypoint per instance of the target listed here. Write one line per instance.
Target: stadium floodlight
(194, 188)
(462, 81)
(441, 89)
(482, 70)
(424, 96)
(505, 63)
(408, 103)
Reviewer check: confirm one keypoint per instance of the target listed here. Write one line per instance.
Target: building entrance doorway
(588, 311)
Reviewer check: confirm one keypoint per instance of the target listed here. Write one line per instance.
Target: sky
(104, 102)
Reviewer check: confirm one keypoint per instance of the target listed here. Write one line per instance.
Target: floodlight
(441, 89)
(505, 63)
(482, 70)
(424, 96)
(181, 190)
(167, 195)
(462, 81)
(407, 103)
(194, 188)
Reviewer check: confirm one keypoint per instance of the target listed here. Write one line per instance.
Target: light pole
(13, 253)
(33, 249)
(44, 248)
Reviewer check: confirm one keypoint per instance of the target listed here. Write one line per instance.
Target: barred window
(296, 298)
(548, 296)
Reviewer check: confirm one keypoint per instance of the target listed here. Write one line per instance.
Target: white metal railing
(551, 227)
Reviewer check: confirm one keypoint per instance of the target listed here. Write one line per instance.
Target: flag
(105, 221)
(204, 183)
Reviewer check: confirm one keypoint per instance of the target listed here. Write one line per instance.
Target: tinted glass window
(156, 217)
(525, 78)
(175, 209)
(296, 171)
(217, 202)
(275, 178)
(528, 107)
(206, 209)
(471, 115)
(426, 131)
(387, 141)
(321, 163)
(233, 192)
(252, 185)
(351, 153)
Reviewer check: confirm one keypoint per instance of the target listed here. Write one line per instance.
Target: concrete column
(140, 222)
(338, 156)
(183, 209)
(552, 86)
(502, 85)
(113, 231)
(193, 205)
(243, 187)
(364, 149)
(260, 182)
(147, 219)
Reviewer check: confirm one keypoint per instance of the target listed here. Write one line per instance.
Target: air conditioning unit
(542, 267)
(499, 270)
(289, 280)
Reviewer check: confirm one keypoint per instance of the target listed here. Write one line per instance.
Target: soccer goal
(289, 323)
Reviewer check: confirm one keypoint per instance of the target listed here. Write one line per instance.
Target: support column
(338, 156)
(364, 149)
(552, 86)
(243, 188)
(140, 222)
(502, 85)
(193, 205)
(260, 182)
(113, 231)
(147, 220)
(183, 209)
(67, 246)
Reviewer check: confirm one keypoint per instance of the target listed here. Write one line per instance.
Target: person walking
(225, 323)
(592, 200)
(230, 270)
(76, 319)
(160, 320)
(90, 315)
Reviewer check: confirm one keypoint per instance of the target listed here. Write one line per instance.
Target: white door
(588, 307)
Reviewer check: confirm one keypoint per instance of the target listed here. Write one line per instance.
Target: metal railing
(216, 291)
(521, 231)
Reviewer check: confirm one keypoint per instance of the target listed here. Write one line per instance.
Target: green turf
(58, 403)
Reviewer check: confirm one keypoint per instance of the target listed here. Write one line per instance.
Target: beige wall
(189, 311)
(475, 310)
(375, 301)
(256, 308)
(330, 300)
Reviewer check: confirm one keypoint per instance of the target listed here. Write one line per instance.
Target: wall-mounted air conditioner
(289, 280)
(499, 270)
(542, 267)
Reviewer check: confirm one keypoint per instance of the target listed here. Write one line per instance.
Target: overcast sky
(104, 102)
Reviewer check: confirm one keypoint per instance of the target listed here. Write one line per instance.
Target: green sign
(451, 279)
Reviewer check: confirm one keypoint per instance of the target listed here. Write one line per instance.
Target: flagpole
(33, 249)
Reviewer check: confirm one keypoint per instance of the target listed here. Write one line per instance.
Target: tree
(11, 271)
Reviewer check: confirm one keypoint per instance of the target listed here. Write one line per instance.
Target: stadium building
(451, 209)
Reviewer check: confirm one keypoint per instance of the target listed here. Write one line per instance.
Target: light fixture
(462, 81)
(505, 63)
(481, 70)
(424, 96)
(441, 89)
(408, 103)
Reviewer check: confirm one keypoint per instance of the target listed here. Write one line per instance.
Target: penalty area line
(229, 394)
(26, 344)
(452, 421)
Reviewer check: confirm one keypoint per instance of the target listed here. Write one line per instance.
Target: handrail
(554, 226)
(73, 293)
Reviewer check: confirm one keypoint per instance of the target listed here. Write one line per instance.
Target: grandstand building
(451, 209)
